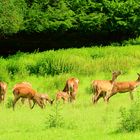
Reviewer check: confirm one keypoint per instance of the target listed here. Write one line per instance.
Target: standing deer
(26, 92)
(71, 88)
(102, 88)
(62, 95)
(126, 86)
(3, 89)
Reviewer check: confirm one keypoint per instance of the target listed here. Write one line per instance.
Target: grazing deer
(23, 84)
(26, 92)
(122, 87)
(71, 88)
(3, 89)
(103, 87)
(62, 95)
(43, 96)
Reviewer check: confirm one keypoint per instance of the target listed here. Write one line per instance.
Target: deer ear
(120, 72)
(138, 74)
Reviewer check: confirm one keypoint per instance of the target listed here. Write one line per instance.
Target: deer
(45, 98)
(26, 92)
(3, 90)
(71, 87)
(23, 84)
(62, 95)
(103, 88)
(123, 87)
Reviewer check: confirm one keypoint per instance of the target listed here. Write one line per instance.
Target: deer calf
(3, 90)
(45, 98)
(62, 95)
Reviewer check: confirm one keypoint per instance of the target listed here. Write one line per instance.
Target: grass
(47, 73)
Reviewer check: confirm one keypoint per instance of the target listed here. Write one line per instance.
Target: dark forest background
(27, 25)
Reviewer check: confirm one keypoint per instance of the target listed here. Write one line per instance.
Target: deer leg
(39, 102)
(3, 97)
(72, 96)
(34, 102)
(0, 98)
(94, 98)
(64, 100)
(97, 96)
(15, 100)
(107, 96)
(51, 101)
(23, 100)
(30, 104)
(131, 95)
(69, 99)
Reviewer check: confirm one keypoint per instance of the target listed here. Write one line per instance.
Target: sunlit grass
(47, 73)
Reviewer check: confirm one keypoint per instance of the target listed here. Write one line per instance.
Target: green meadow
(47, 72)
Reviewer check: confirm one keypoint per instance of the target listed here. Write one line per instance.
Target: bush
(55, 119)
(135, 41)
(130, 120)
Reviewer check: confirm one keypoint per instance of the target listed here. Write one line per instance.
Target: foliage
(101, 17)
(55, 118)
(12, 16)
(84, 61)
(130, 120)
(135, 41)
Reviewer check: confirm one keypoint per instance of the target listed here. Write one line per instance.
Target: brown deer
(123, 87)
(3, 90)
(62, 95)
(102, 88)
(45, 98)
(71, 88)
(26, 92)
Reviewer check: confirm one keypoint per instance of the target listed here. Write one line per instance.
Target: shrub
(55, 118)
(130, 120)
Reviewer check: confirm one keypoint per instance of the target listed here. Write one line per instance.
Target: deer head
(138, 77)
(115, 74)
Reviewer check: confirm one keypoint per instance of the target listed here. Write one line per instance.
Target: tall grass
(84, 61)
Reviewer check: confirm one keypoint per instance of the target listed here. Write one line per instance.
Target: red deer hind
(102, 88)
(26, 92)
(71, 88)
(3, 90)
(126, 86)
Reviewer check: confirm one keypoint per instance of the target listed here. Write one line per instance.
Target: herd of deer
(101, 88)
(25, 91)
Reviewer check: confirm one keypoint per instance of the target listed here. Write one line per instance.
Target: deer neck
(113, 79)
(138, 82)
